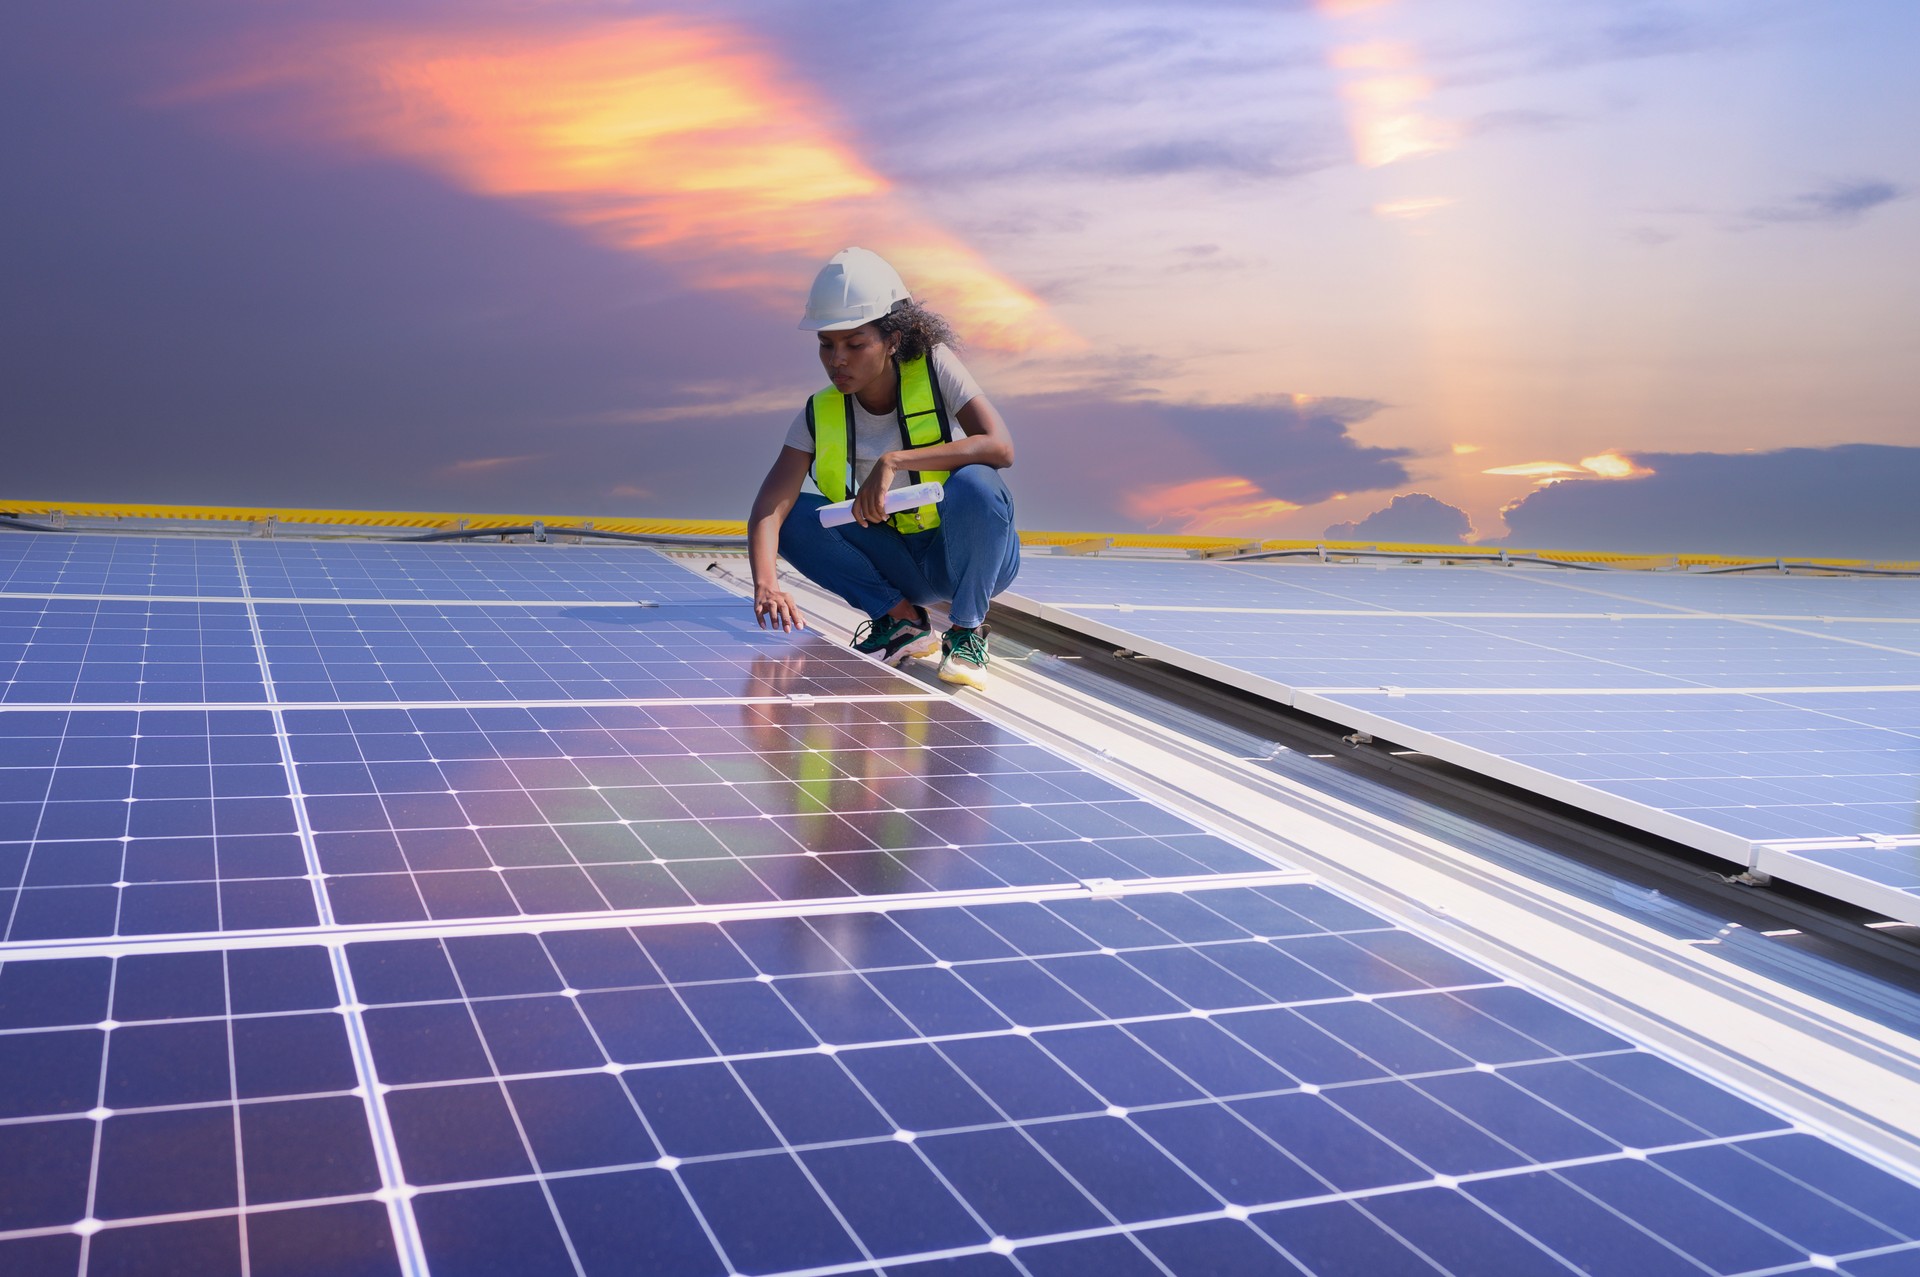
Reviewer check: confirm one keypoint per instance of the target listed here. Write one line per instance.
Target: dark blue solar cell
(503, 1230)
(49, 993)
(1026, 994)
(893, 1201)
(1234, 1160)
(784, 946)
(1329, 1142)
(73, 864)
(600, 959)
(165, 1163)
(1615, 1113)
(1678, 1215)
(767, 1217)
(811, 1099)
(43, 1173)
(1191, 976)
(1216, 1248)
(401, 971)
(1118, 1068)
(303, 1149)
(1113, 1255)
(634, 1221)
(1423, 1129)
(1341, 959)
(209, 1246)
(170, 908)
(1123, 1172)
(936, 1001)
(1214, 1060)
(299, 979)
(1186, 918)
(1455, 1232)
(424, 1044)
(918, 1088)
(1337, 1237)
(1009, 1184)
(699, 1109)
(1020, 1078)
(643, 1026)
(45, 1256)
(695, 951)
(746, 1016)
(351, 1239)
(1035, 930)
(871, 940)
(580, 1121)
(1712, 1108)
(1389, 1042)
(375, 898)
(46, 1073)
(291, 1055)
(953, 934)
(1543, 1133)
(536, 1035)
(1576, 1227)
(451, 1133)
(149, 1065)
(1893, 1202)
(1560, 1030)
(1477, 1036)
(1280, 977)
(1111, 986)
(843, 1009)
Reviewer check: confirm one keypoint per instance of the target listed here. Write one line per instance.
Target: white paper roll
(908, 498)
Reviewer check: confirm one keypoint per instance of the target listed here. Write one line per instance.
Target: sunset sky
(1636, 273)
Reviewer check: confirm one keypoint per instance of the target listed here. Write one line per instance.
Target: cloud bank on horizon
(1238, 269)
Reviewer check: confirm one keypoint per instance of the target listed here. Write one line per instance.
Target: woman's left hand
(869, 504)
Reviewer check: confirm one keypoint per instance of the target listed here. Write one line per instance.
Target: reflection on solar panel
(500, 937)
(1718, 712)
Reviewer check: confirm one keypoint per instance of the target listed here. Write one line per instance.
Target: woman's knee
(978, 488)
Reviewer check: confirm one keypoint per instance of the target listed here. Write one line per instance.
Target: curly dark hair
(919, 329)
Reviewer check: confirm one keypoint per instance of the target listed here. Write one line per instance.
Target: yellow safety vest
(923, 421)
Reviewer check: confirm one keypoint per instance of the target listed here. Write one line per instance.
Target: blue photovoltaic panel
(1260, 1081)
(1664, 750)
(1870, 869)
(52, 563)
(461, 813)
(1756, 767)
(185, 1102)
(1067, 581)
(124, 823)
(523, 573)
(1189, 1082)
(419, 652)
(85, 651)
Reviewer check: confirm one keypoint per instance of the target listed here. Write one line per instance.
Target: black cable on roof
(1323, 552)
(540, 532)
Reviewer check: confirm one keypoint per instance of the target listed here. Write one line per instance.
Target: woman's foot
(890, 640)
(963, 656)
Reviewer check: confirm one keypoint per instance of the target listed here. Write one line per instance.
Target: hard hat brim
(833, 325)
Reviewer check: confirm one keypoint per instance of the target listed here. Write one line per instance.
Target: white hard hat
(855, 287)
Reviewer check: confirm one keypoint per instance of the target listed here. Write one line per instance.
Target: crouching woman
(901, 410)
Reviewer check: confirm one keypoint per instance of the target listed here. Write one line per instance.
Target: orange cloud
(1225, 504)
(1605, 465)
(680, 139)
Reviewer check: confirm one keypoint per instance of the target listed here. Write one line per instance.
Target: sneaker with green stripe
(891, 640)
(963, 656)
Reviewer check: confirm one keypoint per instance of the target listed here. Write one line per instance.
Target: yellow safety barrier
(1209, 546)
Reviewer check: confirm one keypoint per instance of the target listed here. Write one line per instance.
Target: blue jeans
(973, 555)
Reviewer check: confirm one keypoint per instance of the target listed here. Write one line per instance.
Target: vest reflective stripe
(922, 417)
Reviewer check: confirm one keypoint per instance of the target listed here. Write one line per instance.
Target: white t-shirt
(874, 436)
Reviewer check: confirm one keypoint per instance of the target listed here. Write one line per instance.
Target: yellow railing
(416, 520)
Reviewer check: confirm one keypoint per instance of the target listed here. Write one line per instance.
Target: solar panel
(74, 651)
(609, 939)
(52, 563)
(1718, 712)
(554, 573)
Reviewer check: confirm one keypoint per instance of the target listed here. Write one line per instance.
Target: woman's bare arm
(773, 607)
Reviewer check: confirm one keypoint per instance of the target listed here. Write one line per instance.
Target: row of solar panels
(1771, 721)
(354, 981)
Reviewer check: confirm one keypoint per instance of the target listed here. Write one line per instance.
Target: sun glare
(683, 141)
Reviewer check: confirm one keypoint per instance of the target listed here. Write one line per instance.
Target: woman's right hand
(775, 609)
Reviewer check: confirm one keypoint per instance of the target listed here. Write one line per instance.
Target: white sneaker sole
(964, 676)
